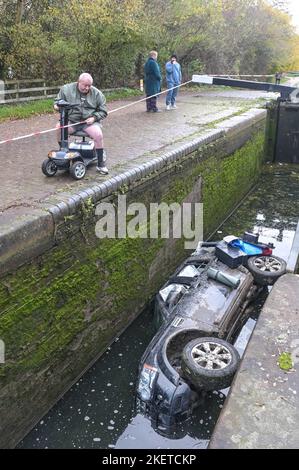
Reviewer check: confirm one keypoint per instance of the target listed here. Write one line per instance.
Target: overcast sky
(294, 11)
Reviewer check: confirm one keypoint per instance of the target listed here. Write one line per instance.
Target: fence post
(18, 88)
(2, 94)
(45, 90)
(2, 352)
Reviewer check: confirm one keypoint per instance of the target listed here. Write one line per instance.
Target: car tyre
(266, 269)
(209, 363)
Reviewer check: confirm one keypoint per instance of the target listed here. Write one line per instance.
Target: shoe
(149, 110)
(168, 107)
(173, 106)
(103, 170)
(157, 111)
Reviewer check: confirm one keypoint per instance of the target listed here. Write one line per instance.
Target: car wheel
(78, 170)
(209, 363)
(266, 269)
(49, 167)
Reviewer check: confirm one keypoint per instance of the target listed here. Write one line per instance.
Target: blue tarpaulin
(248, 248)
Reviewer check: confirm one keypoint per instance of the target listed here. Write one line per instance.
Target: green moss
(228, 180)
(225, 180)
(41, 323)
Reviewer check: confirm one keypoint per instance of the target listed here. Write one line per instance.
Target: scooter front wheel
(49, 167)
(78, 170)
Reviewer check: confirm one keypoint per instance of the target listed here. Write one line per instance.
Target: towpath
(129, 133)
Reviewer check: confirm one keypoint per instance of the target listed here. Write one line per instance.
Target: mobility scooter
(72, 156)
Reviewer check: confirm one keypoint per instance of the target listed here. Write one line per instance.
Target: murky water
(271, 209)
(98, 411)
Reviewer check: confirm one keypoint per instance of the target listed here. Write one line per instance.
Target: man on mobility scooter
(84, 103)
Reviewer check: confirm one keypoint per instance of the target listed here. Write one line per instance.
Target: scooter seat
(80, 134)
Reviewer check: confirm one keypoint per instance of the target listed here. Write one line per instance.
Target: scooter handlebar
(65, 104)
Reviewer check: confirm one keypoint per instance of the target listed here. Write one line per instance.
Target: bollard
(220, 276)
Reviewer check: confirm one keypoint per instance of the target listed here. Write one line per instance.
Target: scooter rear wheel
(78, 170)
(49, 167)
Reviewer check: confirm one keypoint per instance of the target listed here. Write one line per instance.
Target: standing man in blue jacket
(173, 78)
(152, 80)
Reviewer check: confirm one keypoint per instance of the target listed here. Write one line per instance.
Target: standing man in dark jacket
(152, 76)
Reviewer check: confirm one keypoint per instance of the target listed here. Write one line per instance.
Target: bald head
(84, 82)
(153, 54)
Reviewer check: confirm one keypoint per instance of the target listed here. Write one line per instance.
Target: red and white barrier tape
(13, 139)
(147, 97)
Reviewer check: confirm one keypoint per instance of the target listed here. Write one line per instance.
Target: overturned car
(199, 311)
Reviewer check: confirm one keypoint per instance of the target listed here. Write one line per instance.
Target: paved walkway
(262, 409)
(128, 133)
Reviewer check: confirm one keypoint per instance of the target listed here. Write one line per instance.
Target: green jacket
(152, 76)
(91, 104)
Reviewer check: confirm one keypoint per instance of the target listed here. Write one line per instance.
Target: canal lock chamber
(63, 307)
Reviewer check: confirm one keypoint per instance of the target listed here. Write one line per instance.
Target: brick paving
(128, 134)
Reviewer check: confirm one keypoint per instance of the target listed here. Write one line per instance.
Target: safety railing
(17, 91)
